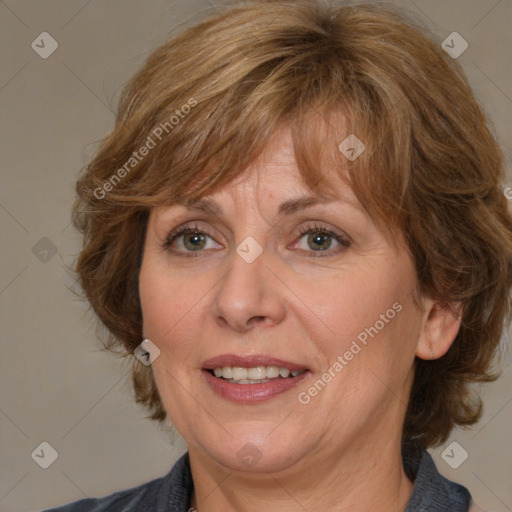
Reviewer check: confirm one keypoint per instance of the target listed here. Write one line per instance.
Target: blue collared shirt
(171, 493)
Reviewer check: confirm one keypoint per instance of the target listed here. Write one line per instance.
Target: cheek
(156, 297)
(170, 306)
(366, 316)
(169, 303)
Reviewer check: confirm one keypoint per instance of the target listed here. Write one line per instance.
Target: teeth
(260, 372)
(238, 373)
(250, 381)
(272, 372)
(254, 375)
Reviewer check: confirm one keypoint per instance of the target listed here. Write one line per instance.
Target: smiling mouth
(254, 375)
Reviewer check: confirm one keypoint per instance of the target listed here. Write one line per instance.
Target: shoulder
(173, 489)
(432, 491)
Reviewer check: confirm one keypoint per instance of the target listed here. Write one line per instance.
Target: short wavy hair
(206, 104)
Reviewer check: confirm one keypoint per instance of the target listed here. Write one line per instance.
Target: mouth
(254, 374)
(252, 378)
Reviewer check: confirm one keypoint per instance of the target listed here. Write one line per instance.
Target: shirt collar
(431, 493)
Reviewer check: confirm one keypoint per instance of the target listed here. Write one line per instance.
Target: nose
(248, 294)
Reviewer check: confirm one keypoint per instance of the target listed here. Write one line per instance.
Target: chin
(259, 452)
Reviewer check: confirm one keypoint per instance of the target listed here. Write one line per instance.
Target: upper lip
(250, 361)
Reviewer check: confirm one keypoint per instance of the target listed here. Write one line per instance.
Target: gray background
(57, 386)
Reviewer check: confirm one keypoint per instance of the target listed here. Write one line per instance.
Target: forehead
(274, 177)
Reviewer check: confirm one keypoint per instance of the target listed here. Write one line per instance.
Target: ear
(440, 327)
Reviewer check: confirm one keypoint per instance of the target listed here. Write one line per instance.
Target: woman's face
(257, 285)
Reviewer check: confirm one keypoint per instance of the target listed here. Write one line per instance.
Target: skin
(341, 451)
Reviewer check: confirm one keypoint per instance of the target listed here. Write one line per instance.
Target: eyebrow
(288, 207)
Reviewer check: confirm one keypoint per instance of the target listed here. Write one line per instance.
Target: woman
(299, 211)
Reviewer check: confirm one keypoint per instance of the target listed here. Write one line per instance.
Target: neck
(366, 477)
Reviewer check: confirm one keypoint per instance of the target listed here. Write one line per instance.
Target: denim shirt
(171, 493)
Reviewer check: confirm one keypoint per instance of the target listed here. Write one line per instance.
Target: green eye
(188, 240)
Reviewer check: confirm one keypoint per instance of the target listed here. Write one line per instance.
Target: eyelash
(185, 230)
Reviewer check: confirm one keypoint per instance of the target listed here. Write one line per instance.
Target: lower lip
(251, 393)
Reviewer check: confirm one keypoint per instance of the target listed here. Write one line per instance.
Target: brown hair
(207, 102)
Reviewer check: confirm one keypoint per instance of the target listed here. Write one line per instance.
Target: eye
(188, 239)
(320, 239)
